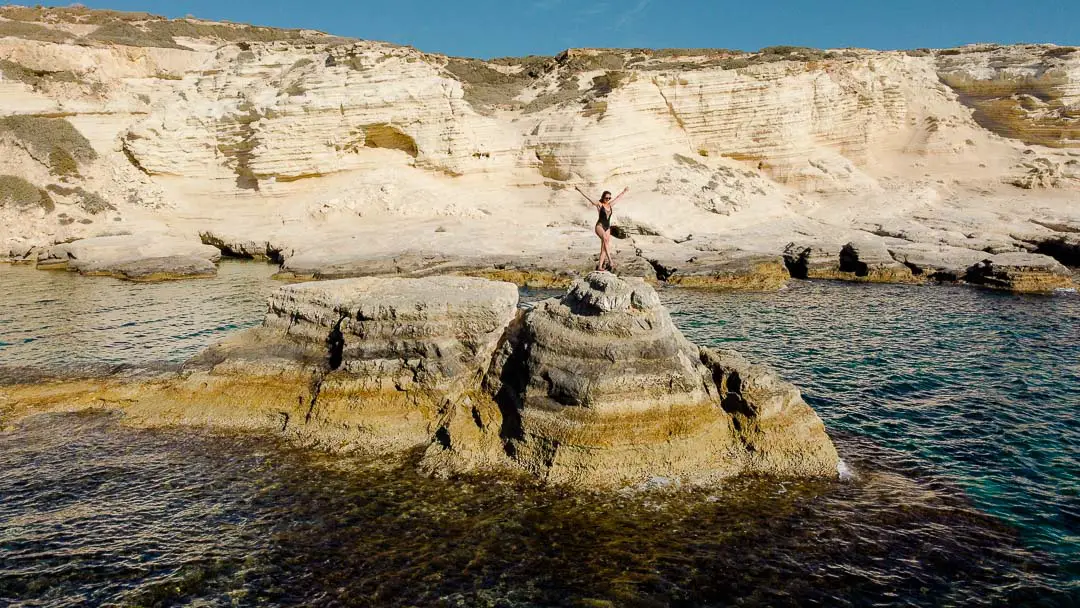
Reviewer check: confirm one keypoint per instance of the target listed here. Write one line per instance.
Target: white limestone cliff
(342, 154)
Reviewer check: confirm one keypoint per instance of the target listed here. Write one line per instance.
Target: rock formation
(340, 157)
(599, 387)
(359, 364)
(596, 389)
(1020, 272)
(145, 257)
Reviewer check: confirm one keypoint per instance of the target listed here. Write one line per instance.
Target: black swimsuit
(605, 217)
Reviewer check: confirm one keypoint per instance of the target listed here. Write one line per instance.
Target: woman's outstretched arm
(582, 193)
(616, 199)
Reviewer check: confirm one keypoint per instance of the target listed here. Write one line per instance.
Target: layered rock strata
(344, 157)
(360, 364)
(863, 262)
(595, 389)
(599, 387)
(1021, 273)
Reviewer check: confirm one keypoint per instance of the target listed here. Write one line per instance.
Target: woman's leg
(607, 250)
(600, 232)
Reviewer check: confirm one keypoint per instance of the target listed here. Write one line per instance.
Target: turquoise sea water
(955, 407)
(977, 387)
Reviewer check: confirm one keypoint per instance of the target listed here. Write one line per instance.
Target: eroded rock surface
(594, 389)
(600, 388)
(145, 257)
(362, 364)
(1020, 272)
(863, 261)
(344, 158)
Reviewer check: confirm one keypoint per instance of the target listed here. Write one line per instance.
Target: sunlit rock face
(599, 388)
(596, 389)
(339, 157)
(1026, 93)
(361, 364)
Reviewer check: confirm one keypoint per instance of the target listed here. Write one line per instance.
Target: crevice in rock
(670, 107)
(944, 277)
(1055, 226)
(882, 232)
(510, 384)
(849, 262)
(335, 345)
(1059, 248)
(316, 388)
(131, 158)
(274, 254)
(442, 437)
(797, 263)
(915, 269)
(663, 273)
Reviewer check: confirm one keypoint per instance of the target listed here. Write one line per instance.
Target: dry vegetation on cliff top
(132, 29)
(35, 78)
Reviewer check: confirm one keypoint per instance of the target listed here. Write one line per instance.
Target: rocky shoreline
(150, 257)
(340, 158)
(595, 389)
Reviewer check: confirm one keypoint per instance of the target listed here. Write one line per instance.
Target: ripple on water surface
(957, 406)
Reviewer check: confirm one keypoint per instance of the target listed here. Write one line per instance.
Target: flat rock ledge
(1020, 272)
(898, 261)
(144, 257)
(595, 389)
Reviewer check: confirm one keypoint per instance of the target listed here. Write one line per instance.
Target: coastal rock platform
(144, 257)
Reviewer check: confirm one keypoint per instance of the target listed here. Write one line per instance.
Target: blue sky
(495, 28)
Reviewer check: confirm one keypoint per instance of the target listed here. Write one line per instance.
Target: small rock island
(595, 389)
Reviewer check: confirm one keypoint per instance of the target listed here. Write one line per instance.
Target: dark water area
(955, 408)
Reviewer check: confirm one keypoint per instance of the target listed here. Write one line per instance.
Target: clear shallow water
(60, 322)
(956, 407)
(977, 387)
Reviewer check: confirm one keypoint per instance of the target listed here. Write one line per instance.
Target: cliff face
(314, 146)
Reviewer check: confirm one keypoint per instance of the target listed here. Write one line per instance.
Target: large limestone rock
(934, 261)
(864, 261)
(778, 430)
(599, 388)
(145, 257)
(360, 364)
(596, 389)
(704, 265)
(1020, 272)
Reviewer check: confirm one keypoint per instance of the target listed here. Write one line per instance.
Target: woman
(603, 225)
